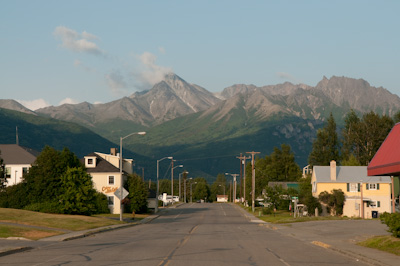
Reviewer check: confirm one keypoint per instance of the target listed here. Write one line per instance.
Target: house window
(373, 186)
(314, 187)
(8, 172)
(353, 187)
(90, 161)
(374, 204)
(111, 180)
(25, 170)
(110, 200)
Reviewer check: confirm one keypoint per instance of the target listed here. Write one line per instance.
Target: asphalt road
(193, 234)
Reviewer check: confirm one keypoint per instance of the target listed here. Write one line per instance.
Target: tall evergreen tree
(363, 137)
(138, 193)
(326, 146)
(78, 195)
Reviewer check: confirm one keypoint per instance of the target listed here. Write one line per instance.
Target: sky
(56, 52)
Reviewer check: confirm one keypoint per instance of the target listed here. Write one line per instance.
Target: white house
(105, 172)
(17, 161)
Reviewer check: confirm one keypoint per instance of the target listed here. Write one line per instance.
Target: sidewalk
(340, 236)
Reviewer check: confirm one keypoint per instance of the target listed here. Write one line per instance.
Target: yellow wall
(100, 183)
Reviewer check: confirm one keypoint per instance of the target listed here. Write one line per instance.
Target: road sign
(117, 193)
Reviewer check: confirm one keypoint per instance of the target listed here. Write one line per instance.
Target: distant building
(105, 172)
(17, 161)
(222, 198)
(372, 194)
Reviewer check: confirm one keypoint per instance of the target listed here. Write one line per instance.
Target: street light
(180, 183)
(172, 179)
(157, 192)
(234, 186)
(191, 191)
(120, 169)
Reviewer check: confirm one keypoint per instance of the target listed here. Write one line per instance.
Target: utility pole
(172, 180)
(362, 201)
(243, 175)
(253, 179)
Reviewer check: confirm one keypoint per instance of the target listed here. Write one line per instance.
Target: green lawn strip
(385, 243)
(28, 233)
(282, 217)
(62, 221)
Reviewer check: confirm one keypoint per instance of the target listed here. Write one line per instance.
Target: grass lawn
(28, 233)
(281, 217)
(385, 243)
(62, 221)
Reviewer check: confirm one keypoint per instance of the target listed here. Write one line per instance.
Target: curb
(14, 251)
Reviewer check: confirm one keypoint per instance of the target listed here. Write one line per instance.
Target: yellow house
(105, 172)
(366, 196)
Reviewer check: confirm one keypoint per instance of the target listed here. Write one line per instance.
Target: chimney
(113, 151)
(333, 170)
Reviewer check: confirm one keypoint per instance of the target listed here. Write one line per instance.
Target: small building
(222, 198)
(370, 194)
(105, 172)
(17, 161)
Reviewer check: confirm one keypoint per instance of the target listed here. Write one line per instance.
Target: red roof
(387, 159)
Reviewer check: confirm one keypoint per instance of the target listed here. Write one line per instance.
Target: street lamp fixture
(121, 166)
(158, 190)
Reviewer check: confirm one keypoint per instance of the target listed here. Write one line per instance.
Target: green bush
(392, 220)
(101, 203)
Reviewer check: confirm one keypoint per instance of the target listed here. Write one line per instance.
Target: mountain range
(206, 131)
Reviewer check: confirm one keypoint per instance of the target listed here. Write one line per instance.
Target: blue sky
(55, 52)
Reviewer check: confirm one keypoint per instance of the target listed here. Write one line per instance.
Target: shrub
(101, 203)
(392, 220)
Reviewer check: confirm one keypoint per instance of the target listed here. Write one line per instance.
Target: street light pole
(158, 182)
(180, 184)
(120, 169)
(234, 186)
(253, 179)
(172, 179)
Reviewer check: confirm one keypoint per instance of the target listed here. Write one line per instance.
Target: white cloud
(287, 76)
(68, 101)
(152, 73)
(77, 42)
(34, 104)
